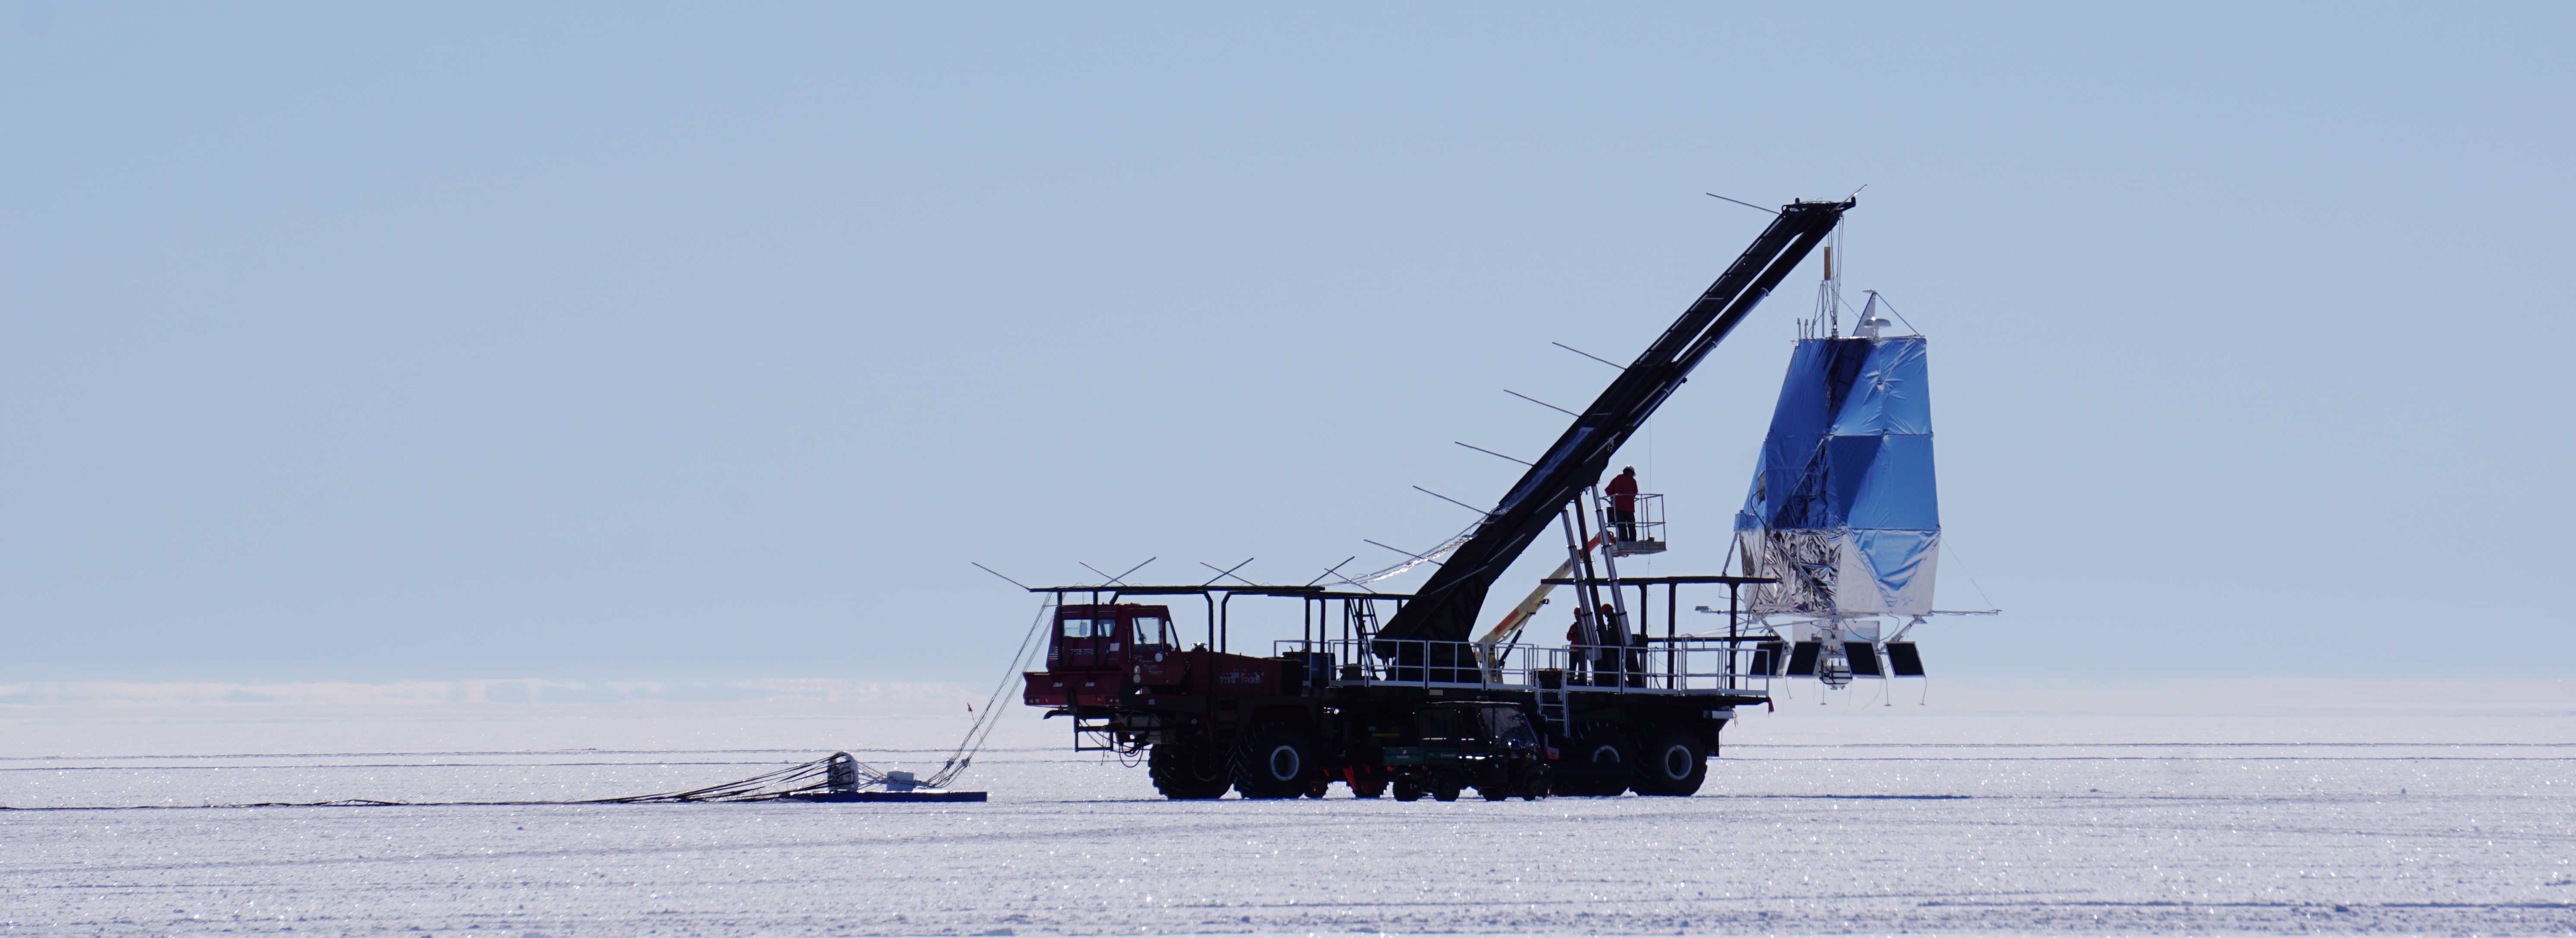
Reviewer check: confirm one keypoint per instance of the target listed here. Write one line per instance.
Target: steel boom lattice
(1445, 608)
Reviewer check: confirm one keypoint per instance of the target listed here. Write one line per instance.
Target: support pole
(1587, 637)
(1632, 657)
(1732, 646)
(1225, 628)
(1672, 636)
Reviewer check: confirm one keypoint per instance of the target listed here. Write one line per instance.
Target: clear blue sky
(655, 340)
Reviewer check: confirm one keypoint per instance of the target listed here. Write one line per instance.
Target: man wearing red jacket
(1623, 502)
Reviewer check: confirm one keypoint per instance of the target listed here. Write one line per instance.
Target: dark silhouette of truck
(1388, 691)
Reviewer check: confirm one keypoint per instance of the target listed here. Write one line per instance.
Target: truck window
(1079, 628)
(1151, 631)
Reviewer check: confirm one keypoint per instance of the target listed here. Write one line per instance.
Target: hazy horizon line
(525, 690)
(2058, 694)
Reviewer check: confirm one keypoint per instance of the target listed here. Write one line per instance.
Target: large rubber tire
(1673, 764)
(1598, 764)
(1510, 778)
(1534, 785)
(1276, 761)
(1184, 772)
(1406, 790)
(1529, 780)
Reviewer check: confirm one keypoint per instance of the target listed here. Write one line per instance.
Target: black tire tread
(1652, 780)
(1175, 771)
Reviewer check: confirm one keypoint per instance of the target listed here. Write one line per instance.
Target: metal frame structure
(1352, 707)
(1450, 600)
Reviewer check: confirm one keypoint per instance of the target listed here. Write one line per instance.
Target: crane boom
(1446, 606)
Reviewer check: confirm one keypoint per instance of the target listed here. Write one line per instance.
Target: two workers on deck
(1615, 654)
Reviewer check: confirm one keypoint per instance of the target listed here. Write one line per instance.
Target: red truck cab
(1092, 650)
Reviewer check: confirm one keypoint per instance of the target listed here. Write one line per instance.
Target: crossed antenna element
(1118, 580)
(1223, 572)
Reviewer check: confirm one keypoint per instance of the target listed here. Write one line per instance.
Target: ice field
(2373, 811)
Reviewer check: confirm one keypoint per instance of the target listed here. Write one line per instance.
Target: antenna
(1452, 501)
(1829, 292)
(1405, 552)
(1869, 321)
(1833, 307)
(1227, 572)
(1222, 573)
(1748, 204)
(1589, 355)
(1005, 579)
(1329, 571)
(1540, 403)
(1488, 452)
(1120, 579)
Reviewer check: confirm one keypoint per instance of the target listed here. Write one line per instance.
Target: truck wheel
(1406, 790)
(1276, 762)
(1445, 790)
(1533, 781)
(1674, 763)
(1597, 765)
(1184, 772)
(1368, 788)
(1318, 789)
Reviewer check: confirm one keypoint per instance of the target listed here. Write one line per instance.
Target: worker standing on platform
(1619, 653)
(1623, 502)
(1579, 653)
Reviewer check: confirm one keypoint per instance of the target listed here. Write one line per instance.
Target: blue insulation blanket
(1844, 507)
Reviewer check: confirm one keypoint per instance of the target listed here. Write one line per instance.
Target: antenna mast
(1829, 291)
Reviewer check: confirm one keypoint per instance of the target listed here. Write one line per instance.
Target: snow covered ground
(2270, 808)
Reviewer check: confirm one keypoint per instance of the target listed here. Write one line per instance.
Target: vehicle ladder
(1363, 622)
(1550, 690)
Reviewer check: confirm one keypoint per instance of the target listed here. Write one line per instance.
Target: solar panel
(1903, 660)
(1767, 659)
(1802, 658)
(1864, 659)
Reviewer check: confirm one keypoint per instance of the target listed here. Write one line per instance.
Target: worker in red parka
(1623, 502)
(1578, 655)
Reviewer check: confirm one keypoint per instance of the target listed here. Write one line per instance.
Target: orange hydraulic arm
(1510, 628)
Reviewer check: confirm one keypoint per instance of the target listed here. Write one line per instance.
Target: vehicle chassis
(1359, 710)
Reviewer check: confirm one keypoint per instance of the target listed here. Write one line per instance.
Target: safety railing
(1677, 666)
(1637, 530)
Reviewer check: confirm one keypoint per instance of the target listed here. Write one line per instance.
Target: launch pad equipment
(1395, 691)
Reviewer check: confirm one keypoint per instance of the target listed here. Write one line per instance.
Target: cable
(803, 778)
(1900, 317)
(985, 721)
(1972, 575)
